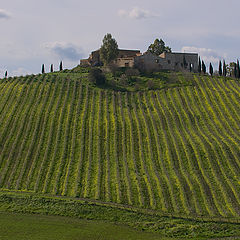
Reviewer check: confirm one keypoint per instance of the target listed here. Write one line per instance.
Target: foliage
(224, 69)
(203, 67)
(109, 49)
(43, 69)
(96, 76)
(199, 65)
(61, 66)
(220, 71)
(211, 69)
(158, 47)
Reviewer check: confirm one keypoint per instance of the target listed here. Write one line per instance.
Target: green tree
(51, 68)
(220, 68)
(158, 47)
(238, 70)
(61, 66)
(203, 67)
(199, 65)
(43, 69)
(109, 49)
(6, 74)
(211, 69)
(96, 76)
(224, 69)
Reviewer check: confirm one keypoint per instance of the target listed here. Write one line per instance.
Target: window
(176, 64)
(157, 60)
(126, 64)
(169, 62)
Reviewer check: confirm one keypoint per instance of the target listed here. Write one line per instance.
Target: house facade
(148, 61)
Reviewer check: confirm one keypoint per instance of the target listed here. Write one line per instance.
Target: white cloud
(64, 50)
(20, 72)
(208, 55)
(136, 13)
(4, 14)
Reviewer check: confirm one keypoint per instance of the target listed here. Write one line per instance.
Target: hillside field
(173, 151)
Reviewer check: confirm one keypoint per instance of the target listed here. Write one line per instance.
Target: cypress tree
(220, 68)
(199, 65)
(43, 69)
(224, 69)
(211, 69)
(51, 68)
(6, 74)
(234, 70)
(238, 70)
(203, 67)
(61, 66)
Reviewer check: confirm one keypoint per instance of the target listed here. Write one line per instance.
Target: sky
(46, 32)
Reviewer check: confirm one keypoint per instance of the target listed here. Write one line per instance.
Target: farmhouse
(148, 61)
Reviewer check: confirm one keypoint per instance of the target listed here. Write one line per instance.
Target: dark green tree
(220, 68)
(61, 66)
(238, 69)
(211, 69)
(96, 76)
(203, 67)
(51, 68)
(199, 65)
(235, 70)
(43, 69)
(109, 49)
(224, 69)
(158, 47)
(6, 74)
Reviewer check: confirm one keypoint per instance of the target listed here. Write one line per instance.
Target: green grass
(38, 227)
(174, 150)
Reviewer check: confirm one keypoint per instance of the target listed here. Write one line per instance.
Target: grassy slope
(37, 227)
(174, 150)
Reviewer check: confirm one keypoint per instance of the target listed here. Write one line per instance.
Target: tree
(238, 70)
(235, 70)
(61, 66)
(220, 68)
(211, 69)
(158, 47)
(199, 65)
(51, 68)
(203, 67)
(224, 69)
(43, 69)
(109, 49)
(96, 76)
(6, 74)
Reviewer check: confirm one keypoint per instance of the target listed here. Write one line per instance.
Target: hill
(173, 151)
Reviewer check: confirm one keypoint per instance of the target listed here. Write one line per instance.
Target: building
(148, 61)
(125, 58)
(167, 61)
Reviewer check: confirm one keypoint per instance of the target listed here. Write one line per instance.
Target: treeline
(231, 70)
(51, 67)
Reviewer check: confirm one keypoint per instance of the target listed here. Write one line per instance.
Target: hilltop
(162, 157)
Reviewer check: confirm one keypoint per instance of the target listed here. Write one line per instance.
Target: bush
(132, 72)
(96, 76)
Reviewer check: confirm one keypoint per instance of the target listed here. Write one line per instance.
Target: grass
(39, 227)
(173, 150)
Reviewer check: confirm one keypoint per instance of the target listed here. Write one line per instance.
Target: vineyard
(175, 150)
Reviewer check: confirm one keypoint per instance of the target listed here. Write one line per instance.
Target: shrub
(96, 76)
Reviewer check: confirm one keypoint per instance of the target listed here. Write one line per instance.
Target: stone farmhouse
(148, 61)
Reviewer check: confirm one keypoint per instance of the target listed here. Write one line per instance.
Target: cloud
(136, 13)
(65, 50)
(4, 14)
(208, 55)
(20, 72)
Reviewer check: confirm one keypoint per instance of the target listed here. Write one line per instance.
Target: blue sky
(36, 32)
